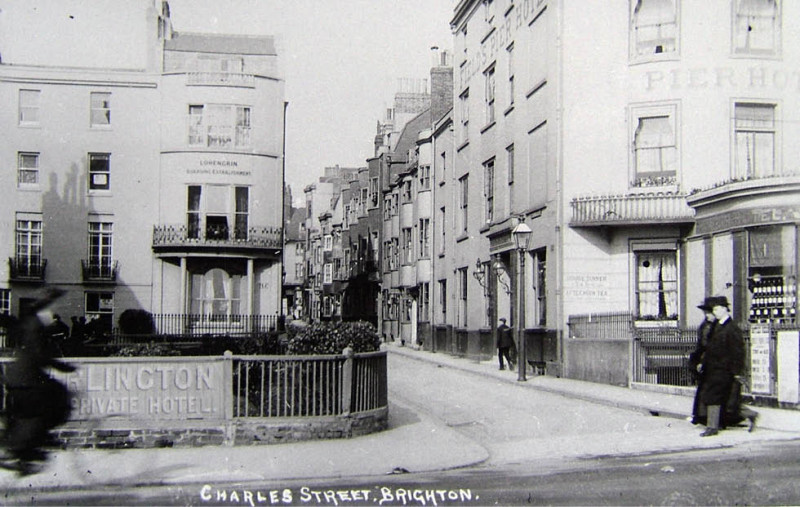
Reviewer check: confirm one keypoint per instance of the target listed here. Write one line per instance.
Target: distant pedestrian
(36, 402)
(505, 343)
(58, 333)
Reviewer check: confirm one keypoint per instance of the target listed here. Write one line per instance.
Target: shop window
(756, 27)
(772, 279)
(656, 285)
(654, 28)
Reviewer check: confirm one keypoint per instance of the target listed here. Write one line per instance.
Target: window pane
(100, 108)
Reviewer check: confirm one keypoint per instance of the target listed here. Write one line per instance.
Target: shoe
(709, 432)
(751, 420)
(510, 367)
(502, 367)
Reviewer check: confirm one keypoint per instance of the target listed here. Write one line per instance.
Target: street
(542, 448)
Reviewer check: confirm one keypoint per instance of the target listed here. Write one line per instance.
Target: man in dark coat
(505, 342)
(696, 360)
(722, 361)
(36, 402)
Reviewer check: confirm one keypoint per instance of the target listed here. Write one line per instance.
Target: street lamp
(522, 235)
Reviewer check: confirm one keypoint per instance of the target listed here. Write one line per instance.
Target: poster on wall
(759, 359)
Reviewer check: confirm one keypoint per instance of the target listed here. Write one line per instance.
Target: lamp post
(522, 235)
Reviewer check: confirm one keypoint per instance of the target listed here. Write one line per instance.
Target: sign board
(153, 389)
(586, 286)
(759, 359)
(788, 354)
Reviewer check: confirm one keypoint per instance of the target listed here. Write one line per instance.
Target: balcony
(170, 238)
(26, 269)
(629, 210)
(783, 185)
(99, 272)
(220, 79)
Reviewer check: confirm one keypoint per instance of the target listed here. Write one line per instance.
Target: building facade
(652, 163)
(144, 165)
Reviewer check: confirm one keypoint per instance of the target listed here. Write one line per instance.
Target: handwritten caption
(379, 495)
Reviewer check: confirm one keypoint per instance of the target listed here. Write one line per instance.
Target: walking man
(505, 342)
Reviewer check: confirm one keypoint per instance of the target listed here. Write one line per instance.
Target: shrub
(134, 321)
(333, 338)
(145, 349)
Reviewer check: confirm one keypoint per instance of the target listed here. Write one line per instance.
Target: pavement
(414, 442)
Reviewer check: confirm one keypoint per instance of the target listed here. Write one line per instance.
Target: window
(299, 271)
(463, 100)
(216, 294)
(463, 198)
(443, 301)
(327, 273)
(28, 250)
(5, 301)
(488, 190)
(100, 309)
(657, 285)
(462, 297)
(328, 243)
(99, 171)
(756, 26)
(406, 187)
(442, 229)
(219, 126)
(424, 238)
(100, 109)
(443, 172)
(424, 173)
(208, 211)
(755, 140)
(346, 216)
(655, 150)
(489, 80)
(408, 246)
(510, 164)
(423, 309)
(387, 207)
(510, 52)
(654, 27)
(540, 286)
(364, 201)
(27, 169)
(395, 249)
(100, 263)
(29, 107)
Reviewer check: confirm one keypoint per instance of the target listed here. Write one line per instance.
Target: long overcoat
(722, 361)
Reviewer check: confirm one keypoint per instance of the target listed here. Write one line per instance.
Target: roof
(298, 216)
(408, 138)
(230, 44)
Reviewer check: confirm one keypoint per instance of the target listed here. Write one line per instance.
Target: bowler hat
(707, 304)
(719, 301)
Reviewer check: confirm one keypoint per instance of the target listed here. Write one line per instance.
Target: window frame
(102, 110)
(204, 129)
(488, 190)
(737, 32)
(656, 250)
(635, 54)
(23, 169)
(33, 107)
(755, 132)
(463, 203)
(665, 178)
(490, 93)
(95, 173)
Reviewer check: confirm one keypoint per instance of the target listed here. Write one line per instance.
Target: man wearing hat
(699, 409)
(504, 344)
(36, 402)
(722, 362)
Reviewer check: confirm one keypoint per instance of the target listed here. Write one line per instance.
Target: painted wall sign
(788, 355)
(747, 217)
(586, 286)
(723, 78)
(147, 390)
(759, 359)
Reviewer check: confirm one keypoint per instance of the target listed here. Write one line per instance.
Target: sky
(341, 59)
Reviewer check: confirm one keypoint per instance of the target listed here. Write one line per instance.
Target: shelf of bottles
(774, 300)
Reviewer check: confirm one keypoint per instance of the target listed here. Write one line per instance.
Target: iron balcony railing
(27, 268)
(182, 236)
(176, 326)
(94, 271)
(221, 79)
(631, 209)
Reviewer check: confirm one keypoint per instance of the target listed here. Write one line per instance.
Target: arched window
(216, 294)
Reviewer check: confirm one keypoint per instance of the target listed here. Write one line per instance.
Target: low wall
(601, 361)
(142, 402)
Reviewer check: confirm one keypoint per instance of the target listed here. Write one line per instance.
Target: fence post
(228, 398)
(347, 381)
